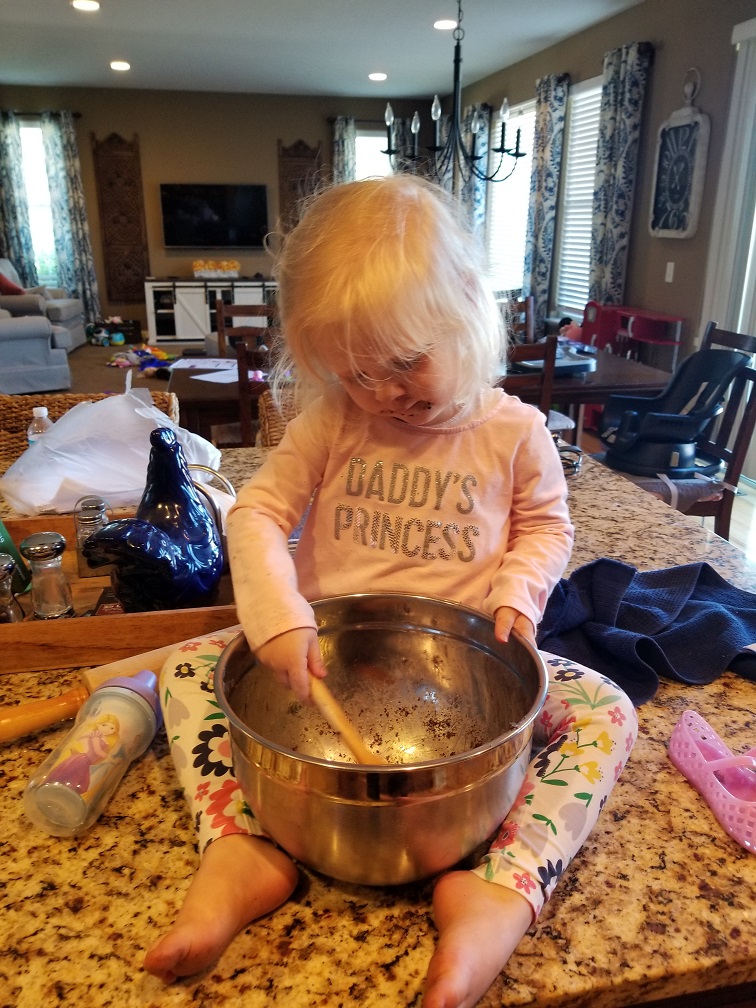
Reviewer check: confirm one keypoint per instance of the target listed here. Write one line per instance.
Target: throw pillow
(41, 291)
(8, 287)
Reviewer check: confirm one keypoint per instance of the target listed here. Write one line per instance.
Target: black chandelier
(453, 156)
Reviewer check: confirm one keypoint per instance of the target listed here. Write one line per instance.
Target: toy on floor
(152, 362)
(96, 335)
(103, 332)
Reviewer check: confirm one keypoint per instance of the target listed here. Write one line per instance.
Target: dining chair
(522, 322)
(228, 332)
(730, 436)
(545, 353)
(251, 356)
(714, 458)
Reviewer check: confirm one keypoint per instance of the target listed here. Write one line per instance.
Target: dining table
(613, 374)
(208, 404)
(658, 907)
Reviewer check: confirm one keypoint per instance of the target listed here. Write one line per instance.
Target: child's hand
(292, 657)
(508, 619)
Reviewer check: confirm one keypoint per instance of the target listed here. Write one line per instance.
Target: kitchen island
(659, 904)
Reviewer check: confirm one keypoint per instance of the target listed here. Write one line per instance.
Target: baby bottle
(113, 727)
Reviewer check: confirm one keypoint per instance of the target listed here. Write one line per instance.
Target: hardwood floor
(743, 524)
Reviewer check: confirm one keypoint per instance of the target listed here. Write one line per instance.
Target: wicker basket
(272, 418)
(15, 416)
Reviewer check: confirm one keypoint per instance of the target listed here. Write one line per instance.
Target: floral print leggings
(581, 742)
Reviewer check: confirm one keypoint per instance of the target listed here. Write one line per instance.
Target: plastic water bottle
(114, 726)
(41, 423)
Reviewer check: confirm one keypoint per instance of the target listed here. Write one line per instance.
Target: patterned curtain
(626, 73)
(73, 247)
(551, 104)
(15, 233)
(344, 149)
(473, 192)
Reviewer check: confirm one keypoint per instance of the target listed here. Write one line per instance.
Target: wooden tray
(43, 645)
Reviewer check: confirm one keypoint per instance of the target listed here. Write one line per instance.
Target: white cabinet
(184, 310)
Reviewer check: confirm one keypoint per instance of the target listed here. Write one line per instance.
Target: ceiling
(307, 47)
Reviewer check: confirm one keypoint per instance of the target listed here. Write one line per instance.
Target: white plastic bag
(98, 448)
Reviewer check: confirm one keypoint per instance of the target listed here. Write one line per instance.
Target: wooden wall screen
(120, 199)
(299, 171)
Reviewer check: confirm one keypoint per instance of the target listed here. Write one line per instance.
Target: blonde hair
(385, 269)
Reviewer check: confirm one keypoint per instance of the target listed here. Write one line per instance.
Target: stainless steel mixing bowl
(431, 690)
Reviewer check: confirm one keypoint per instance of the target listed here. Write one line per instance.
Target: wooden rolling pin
(21, 719)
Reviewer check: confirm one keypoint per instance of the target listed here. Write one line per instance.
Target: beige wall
(685, 33)
(206, 137)
(192, 137)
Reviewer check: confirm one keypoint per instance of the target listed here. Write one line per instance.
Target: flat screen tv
(214, 216)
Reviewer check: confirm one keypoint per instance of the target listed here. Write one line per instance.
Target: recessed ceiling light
(120, 65)
(444, 25)
(85, 5)
(377, 76)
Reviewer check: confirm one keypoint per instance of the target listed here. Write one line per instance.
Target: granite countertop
(659, 903)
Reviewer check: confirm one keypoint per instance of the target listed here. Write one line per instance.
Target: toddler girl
(417, 475)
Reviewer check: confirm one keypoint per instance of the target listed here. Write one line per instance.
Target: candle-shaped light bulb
(436, 116)
(475, 125)
(503, 116)
(388, 118)
(415, 128)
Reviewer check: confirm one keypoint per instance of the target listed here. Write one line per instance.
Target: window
(572, 248)
(38, 198)
(369, 161)
(507, 217)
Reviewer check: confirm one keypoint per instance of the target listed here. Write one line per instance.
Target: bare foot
(480, 924)
(240, 878)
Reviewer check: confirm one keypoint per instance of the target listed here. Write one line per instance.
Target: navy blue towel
(685, 623)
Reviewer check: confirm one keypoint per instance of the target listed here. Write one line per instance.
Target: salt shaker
(90, 514)
(114, 727)
(50, 592)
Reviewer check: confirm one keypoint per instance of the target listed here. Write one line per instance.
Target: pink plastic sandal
(727, 782)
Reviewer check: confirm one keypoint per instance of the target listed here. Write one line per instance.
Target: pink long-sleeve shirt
(474, 513)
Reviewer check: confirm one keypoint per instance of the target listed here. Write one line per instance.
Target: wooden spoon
(329, 707)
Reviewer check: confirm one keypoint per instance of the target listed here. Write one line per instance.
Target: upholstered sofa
(29, 359)
(53, 303)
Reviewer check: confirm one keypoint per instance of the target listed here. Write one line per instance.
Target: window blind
(573, 237)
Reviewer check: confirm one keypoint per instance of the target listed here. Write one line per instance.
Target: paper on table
(227, 377)
(206, 363)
